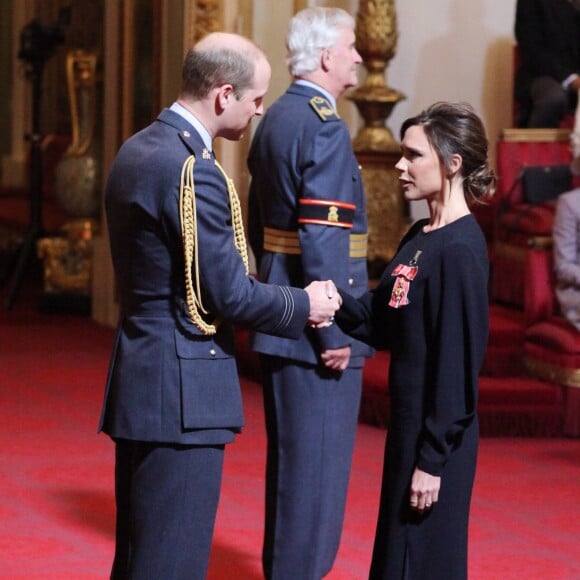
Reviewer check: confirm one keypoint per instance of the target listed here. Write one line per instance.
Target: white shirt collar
(318, 88)
(193, 120)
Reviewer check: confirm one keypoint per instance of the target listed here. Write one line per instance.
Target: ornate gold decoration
(384, 208)
(202, 17)
(77, 176)
(374, 145)
(542, 134)
(188, 220)
(81, 68)
(322, 108)
(376, 41)
(67, 261)
(552, 373)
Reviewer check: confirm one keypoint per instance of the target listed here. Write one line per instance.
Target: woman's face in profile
(419, 168)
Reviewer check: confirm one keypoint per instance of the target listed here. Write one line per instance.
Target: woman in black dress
(430, 309)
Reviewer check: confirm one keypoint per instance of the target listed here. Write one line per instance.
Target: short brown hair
(207, 68)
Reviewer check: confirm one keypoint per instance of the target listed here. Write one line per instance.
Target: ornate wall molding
(201, 17)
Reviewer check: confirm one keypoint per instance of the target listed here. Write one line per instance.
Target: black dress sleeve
(458, 343)
(365, 318)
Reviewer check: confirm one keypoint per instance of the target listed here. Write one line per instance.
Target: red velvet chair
(551, 345)
(517, 224)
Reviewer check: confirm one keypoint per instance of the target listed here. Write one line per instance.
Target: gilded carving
(376, 27)
(67, 261)
(77, 175)
(553, 373)
(202, 16)
(375, 146)
(66, 264)
(376, 41)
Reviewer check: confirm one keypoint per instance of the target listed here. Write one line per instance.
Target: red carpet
(56, 482)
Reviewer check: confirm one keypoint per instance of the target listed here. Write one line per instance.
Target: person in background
(307, 221)
(547, 81)
(566, 236)
(172, 400)
(430, 309)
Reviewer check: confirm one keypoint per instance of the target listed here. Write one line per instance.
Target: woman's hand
(424, 490)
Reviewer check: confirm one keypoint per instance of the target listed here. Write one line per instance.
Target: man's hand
(336, 358)
(324, 302)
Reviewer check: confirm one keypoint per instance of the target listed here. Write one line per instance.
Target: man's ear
(224, 94)
(325, 59)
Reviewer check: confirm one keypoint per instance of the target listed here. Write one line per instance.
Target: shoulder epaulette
(201, 153)
(323, 109)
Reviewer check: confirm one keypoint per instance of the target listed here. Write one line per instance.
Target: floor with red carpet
(56, 481)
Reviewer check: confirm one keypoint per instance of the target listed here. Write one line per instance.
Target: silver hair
(309, 33)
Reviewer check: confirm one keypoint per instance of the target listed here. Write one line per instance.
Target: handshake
(324, 302)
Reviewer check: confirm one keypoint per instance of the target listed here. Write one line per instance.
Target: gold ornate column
(375, 147)
(201, 17)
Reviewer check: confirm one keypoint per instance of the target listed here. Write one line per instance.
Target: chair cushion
(555, 334)
(552, 352)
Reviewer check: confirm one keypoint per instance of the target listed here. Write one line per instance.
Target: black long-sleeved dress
(430, 309)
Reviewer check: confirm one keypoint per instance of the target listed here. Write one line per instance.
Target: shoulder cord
(237, 220)
(188, 218)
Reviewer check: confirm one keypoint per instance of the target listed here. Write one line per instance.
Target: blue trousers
(167, 497)
(311, 420)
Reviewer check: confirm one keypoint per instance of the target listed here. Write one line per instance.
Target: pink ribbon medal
(405, 275)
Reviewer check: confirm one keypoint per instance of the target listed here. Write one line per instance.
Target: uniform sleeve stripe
(291, 235)
(325, 212)
(325, 223)
(327, 202)
(288, 307)
(288, 242)
(274, 238)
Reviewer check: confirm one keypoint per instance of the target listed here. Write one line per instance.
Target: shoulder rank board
(323, 109)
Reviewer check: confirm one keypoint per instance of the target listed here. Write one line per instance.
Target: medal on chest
(405, 274)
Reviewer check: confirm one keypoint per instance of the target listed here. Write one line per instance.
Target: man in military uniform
(307, 221)
(172, 399)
